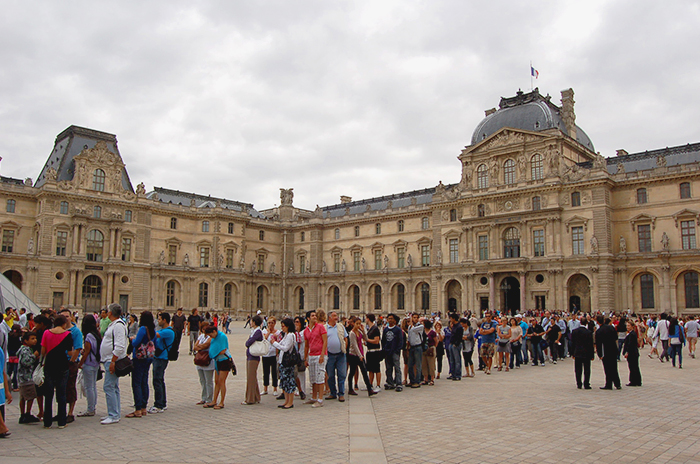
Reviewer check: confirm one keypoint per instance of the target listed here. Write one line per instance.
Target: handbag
(202, 358)
(291, 358)
(260, 348)
(123, 366)
(38, 374)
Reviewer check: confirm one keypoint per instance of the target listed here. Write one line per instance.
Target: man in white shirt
(691, 334)
(662, 333)
(23, 318)
(337, 366)
(112, 349)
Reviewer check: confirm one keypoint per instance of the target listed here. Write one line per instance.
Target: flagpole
(531, 83)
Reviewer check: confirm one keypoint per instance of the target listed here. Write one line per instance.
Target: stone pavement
(528, 415)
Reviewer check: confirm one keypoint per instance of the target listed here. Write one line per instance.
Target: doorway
(510, 292)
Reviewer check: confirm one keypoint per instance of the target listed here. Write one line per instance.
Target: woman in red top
(56, 345)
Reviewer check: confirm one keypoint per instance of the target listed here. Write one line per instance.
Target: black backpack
(173, 350)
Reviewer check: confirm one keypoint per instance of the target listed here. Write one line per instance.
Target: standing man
(71, 390)
(554, 338)
(392, 344)
(104, 321)
(23, 317)
(691, 334)
(165, 338)
(524, 326)
(487, 331)
(374, 353)
(415, 351)
(193, 327)
(583, 352)
(112, 349)
(606, 345)
(454, 351)
(179, 320)
(661, 331)
(535, 332)
(337, 365)
(315, 351)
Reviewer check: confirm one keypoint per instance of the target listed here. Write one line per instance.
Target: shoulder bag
(38, 374)
(202, 358)
(123, 366)
(260, 348)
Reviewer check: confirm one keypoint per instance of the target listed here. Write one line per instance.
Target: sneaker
(388, 387)
(31, 419)
(554, 362)
(103, 418)
(23, 419)
(165, 408)
(317, 404)
(109, 421)
(542, 364)
(377, 389)
(86, 414)
(61, 427)
(399, 388)
(154, 410)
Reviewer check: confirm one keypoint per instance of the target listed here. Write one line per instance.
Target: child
(28, 359)
(4, 390)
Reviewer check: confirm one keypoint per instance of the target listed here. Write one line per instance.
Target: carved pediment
(686, 214)
(377, 246)
(400, 244)
(98, 157)
(505, 137)
(643, 219)
(576, 220)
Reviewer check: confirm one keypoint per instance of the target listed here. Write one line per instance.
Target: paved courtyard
(529, 415)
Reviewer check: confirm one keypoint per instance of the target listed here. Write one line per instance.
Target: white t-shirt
(662, 329)
(691, 328)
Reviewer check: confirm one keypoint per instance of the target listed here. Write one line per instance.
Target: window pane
(64, 207)
(509, 172)
(688, 234)
(127, 216)
(536, 163)
(536, 205)
(576, 199)
(205, 226)
(685, 190)
(538, 241)
(377, 259)
(647, 286)
(644, 237)
(95, 242)
(126, 249)
(356, 260)
(577, 240)
(425, 255)
(454, 250)
(204, 257)
(641, 196)
(61, 243)
(173, 223)
(401, 258)
(401, 225)
(482, 176)
(203, 295)
(511, 243)
(483, 247)
(98, 180)
(692, 298)
(8, 240)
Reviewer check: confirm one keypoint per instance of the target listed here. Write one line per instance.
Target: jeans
(392, 363)
(355, 363)
(55, 381)
(454, 356)
(337, 366)
(666, 350)
(206, 380)
(90, 382)
(673, 350)
(517, 354)
(524, 351)
(139, 382)
(194, 335)
(159, 399)
(537, 353)
(415, 361)
(112, 396)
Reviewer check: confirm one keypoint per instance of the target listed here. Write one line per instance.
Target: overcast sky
(238, 99)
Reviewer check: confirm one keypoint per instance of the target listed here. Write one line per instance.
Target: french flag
(534, 73)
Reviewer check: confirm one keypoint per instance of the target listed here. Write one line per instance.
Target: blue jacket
(392, 339)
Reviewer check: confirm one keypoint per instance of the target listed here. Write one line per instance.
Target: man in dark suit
(583, 352)
(606, 345)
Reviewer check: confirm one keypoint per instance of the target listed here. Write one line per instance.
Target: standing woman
(218, 350)
(630, 349)
(440, 347)
(133, 326)
(252, 390)
(299, 326)
(205, 373)
(54, 345)
(270, 359)
(287, 378)
(446, 335)
(428, 361)
(142, 363)
(468, 342)
(90, 363)
(503, 348)
(676, 340)
(356, 357)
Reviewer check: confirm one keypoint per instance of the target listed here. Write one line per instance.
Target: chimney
(621, 152)
(345, 199)
(567, 112)
(490, 112)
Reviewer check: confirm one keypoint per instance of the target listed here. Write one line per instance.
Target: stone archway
(15, 277)
(510, 295)
(579, 293)
(453, 297)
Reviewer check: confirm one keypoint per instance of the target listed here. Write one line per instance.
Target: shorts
(374, 359)
(503, 348)
(71, 391)
(487, 350)
(317, 370)
(692, 339)
(27, 392)
(224, 366)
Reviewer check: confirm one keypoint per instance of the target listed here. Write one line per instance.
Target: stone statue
(30, 246)
(664, 241)
(409, 260)
(439, 256)
(161, 257)
(623, 244)
(254, 266)
(324, 269)
(141, 189)
(272, 267)
(318, 212)
(364, 264)
(308, 266)
(661, 161)
(553, 160)
(193, 203)
(386, 262)
(51, 175)
(598, 161)
(241, 264)
(467, 174)
(291, 268)
(221, 260)
(594, 244)
(620, 168)
(343, 266)
(522, 167)
(493, 167)
(186, 261)
(286, 197)
(28, 182)
(440, 188)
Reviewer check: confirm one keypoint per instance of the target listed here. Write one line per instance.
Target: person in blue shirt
(487, 333)
(165, 337)
(73, 359)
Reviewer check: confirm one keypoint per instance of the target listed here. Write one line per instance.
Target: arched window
(203, 295)
(511, 243)
(228, 292)
(425, 297)
(337, 234)
(301, 298)
(170, 293)
(355, 297)
(536, 204)
(692, 296)
(685, 190)
(646, 285)
(260, 297)
(536, 167)
(377, 297)
(509, 172)
(641, 196)
(336, 298)
(400, 296)
(98, 180)
(482, 176)
(401, 225)
(95, 243)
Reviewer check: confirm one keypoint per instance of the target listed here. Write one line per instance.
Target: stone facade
(538, 220)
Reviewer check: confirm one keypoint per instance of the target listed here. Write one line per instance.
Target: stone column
(667, 294)
(492, 291)
(523, 291)
(75, 239)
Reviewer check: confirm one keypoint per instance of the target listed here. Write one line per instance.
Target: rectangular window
(425, 255)
(576, 199)
(204, 257)
(61, 243)
(685, 190)
(127, 216)
(538, 241)
(377, 229)
(646, 283)
(692, 296)
(64, 207)
(230, 227)
(377, 259)
(336, 262)
(172, 255)
(400, 257)
(641, 196)
(356, 260)
(229, 258)
(302, 236)
(644, 238)
(97, 212)
(540, 302)
(453, 215)
(173, 223)
(536, 203)
(302, 264)
(126, 249)
(577, 240)
(425, 223)
(688, 234)
(454, 250)
(11, 206)
(205, 226)
(483, 247)
(8, 240)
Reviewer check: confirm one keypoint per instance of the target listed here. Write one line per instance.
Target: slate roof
(11, 180)
(682, 154)
(398, 200)
(69, 144)
(177, 197)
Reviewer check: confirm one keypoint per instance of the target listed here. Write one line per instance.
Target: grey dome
(526, 111)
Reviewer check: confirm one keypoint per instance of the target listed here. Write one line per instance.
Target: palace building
(537, 220)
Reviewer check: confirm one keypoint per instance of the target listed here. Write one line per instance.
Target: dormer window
(98, 180)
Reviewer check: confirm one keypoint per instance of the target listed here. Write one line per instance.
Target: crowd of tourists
(317, 357)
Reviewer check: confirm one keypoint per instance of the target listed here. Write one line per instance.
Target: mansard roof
(201, 201)
(397, 200)
(674, 156)
(69, 144)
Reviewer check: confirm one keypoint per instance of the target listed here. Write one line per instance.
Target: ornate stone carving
(409, 261)
(324, 269)
(594, 245)
(620, 168)
(51, 175)
(553, 160)
(661, 161)
(664, 242)
(623, 244)
(445, 215)
(522, 167)
(161, 257)
(286, 197)
(186, 260)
